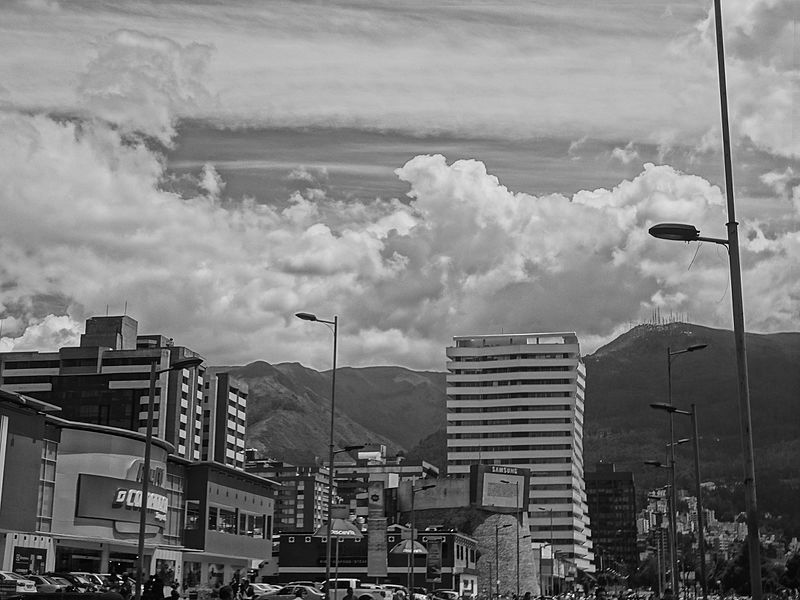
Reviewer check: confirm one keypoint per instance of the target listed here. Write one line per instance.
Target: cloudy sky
(421, 169)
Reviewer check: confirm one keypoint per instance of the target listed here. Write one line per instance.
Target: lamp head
(675, 231)
(653, 463)
(663, 406)
(186, 363)
(351, 448)
(306, 316)
(694, 347)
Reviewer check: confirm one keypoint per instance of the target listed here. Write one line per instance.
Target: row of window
(507, 382)
(227, 520)
(512, 461)
(552, 421)
(534, 355)
(509, 396)
(514, 448)
(509, 370)
(508, 434)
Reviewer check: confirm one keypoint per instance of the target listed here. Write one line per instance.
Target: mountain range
(289, 410)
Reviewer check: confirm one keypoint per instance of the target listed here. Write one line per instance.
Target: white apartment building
(224, 418)
(517, 400)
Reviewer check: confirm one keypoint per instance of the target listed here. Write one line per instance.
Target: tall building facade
(106, 381)
(224, 418)
(302, 500)
(611, 497)
(517, 400)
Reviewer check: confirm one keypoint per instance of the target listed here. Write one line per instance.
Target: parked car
(391, 588)
(79, 583)
(446, 594)
(264, 588)
(47, 585)
(22, 584)
(420, 593)
(289, 592)
(313, 584)
(93, 578)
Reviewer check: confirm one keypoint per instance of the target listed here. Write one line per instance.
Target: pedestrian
(527, 596)
(246, 591)
(300, 592)
(225, 593)
(349, 594)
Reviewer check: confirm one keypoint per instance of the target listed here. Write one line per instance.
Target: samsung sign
(118, 500)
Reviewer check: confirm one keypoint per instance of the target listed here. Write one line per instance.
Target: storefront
(97, 503)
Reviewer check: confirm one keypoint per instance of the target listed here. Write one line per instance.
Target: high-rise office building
(611, 496)
(517, 400)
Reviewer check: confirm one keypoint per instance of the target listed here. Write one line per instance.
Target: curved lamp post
(411, 562)
(497, 528)
(186, 363)
(701, 545)
(552, 546)
(519, 516)
(673, 530)
(335, 323)
(689, 233)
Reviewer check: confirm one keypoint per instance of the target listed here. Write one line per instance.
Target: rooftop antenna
(106, 309)
(125, 312)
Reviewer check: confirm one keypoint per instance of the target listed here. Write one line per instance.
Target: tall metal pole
(673, 529)
(412, 539)
(148, 443)
(330, 459)
(701, 538)
(497, 557)
(745, 422)
(519, 514)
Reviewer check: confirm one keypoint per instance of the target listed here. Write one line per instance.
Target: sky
(419, 169)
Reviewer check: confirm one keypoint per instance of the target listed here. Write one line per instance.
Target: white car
(23, 586)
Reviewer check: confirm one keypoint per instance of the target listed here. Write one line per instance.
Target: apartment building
(302, 500)
(224, 418)
(517, 400)
(106, 380)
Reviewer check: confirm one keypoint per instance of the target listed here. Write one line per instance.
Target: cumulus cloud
(141, 82)
(45, 335)
(88, 224)
(625, 155)
(763, 78)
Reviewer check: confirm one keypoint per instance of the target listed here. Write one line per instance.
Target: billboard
(500, 488)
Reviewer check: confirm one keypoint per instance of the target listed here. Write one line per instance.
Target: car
(264, 588)
(79, 583)
(446, 594)
(289, 592)
(98, 582)
(48, 585)
(393, 588)
(21, 584)
(308, 583)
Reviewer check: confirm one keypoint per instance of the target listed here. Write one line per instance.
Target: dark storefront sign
(433, 565)
(29, 560)
(118, 500)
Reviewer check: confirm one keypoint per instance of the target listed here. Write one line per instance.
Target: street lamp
(701, 545)
(335, 323)
(411, 563)
(497, 528)
(329, 533)
(185, 363)
(688, 233)
(519, 516)
(552, 547)
(673, 530)
(672, 515)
